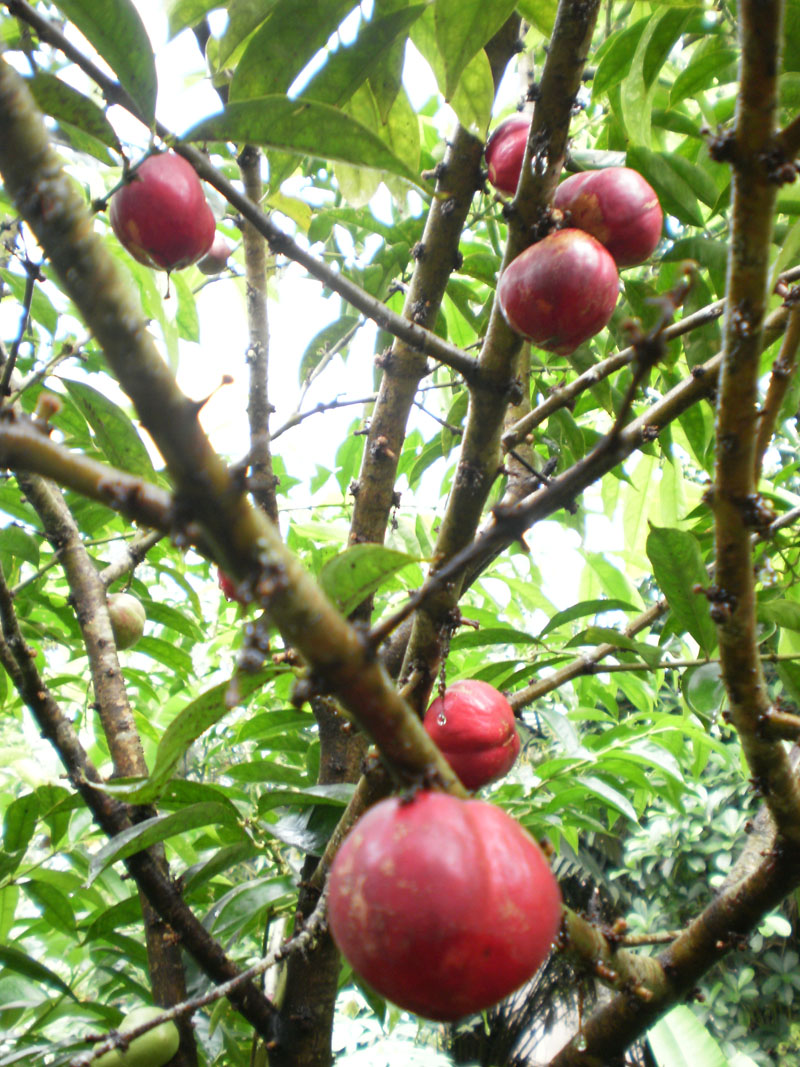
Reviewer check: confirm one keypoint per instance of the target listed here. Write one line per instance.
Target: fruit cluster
(563, 290)
(161, 216)
(446, 905)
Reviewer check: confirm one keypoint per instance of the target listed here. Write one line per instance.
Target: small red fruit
(618, 207)
(161, 216)
(505, 150)
(473, 725)
(444, 906)
(560, 292)
(216, 258)
(230, 590)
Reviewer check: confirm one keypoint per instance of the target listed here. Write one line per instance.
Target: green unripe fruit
(127, 619)
(153, 1049)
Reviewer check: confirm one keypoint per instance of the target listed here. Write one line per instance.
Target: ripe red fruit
(473, 725)
(560, 292)
(505, 150)
(161, 216)
(618, 207)
(444, 906)
(216, 258)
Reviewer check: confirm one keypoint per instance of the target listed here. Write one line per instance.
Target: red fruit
(504, 153)
(444, 906)
(473, 725)
(230, 590)
(216, 258)
(161, 216)
(560, 292)
(618, 207)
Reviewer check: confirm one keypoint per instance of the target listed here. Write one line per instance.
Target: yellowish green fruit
(127, 619)
(153, 1049)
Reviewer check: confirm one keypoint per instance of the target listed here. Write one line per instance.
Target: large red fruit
(561, 291)
(444, 906)
(618, 207)
(504, 152)
(161, 216)
(473, 725)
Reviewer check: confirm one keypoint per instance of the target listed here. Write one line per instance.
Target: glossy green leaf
(244, 17)
(675, 194)
(703, 689)
(462, 28)
(353, 575)
(115, 29)
(472, 100)
(304, 127)
(42, 310)
(709, 63)
(540, 13)
(19, 822)
(114, 432)
(55, 905)
(652, 49)
(66, 104)
(616, 58)
(190, 724)
(160, 828)
(350, 66)
(679, 1039)
(292, 33)
(678, 568)
(17, 545)
(23, 964)
(607, 793)
(182, 14)
(581, 610)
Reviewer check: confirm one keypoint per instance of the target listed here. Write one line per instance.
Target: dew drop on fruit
(441, 718)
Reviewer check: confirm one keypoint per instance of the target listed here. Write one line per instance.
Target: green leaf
(292, 33)
(540, 13)
(609, 794)
(709, 62)
(462, 28)
(675, 194)
(19, 822)
(55, 905)
(184, 13)
(114, 432)
(42, 310)
(160, 828)
(472, 100)
(353, 575)
(681, 1040)
(678, 568)
(703, 689)
(115, 30)
(617, 57)
(350, 66)
(190, 723)
(652, 49)
(66, 104)
(19, 545)
(23, 964)
(244, 16)
(580, 611)
(304, 127)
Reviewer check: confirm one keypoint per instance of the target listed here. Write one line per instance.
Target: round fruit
(127, 619)
(216, 258)
(151, 1049)
(161, 216)
(505, 150)
(473, 725)
(443, 905)
(618, 207)
(561, 291)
